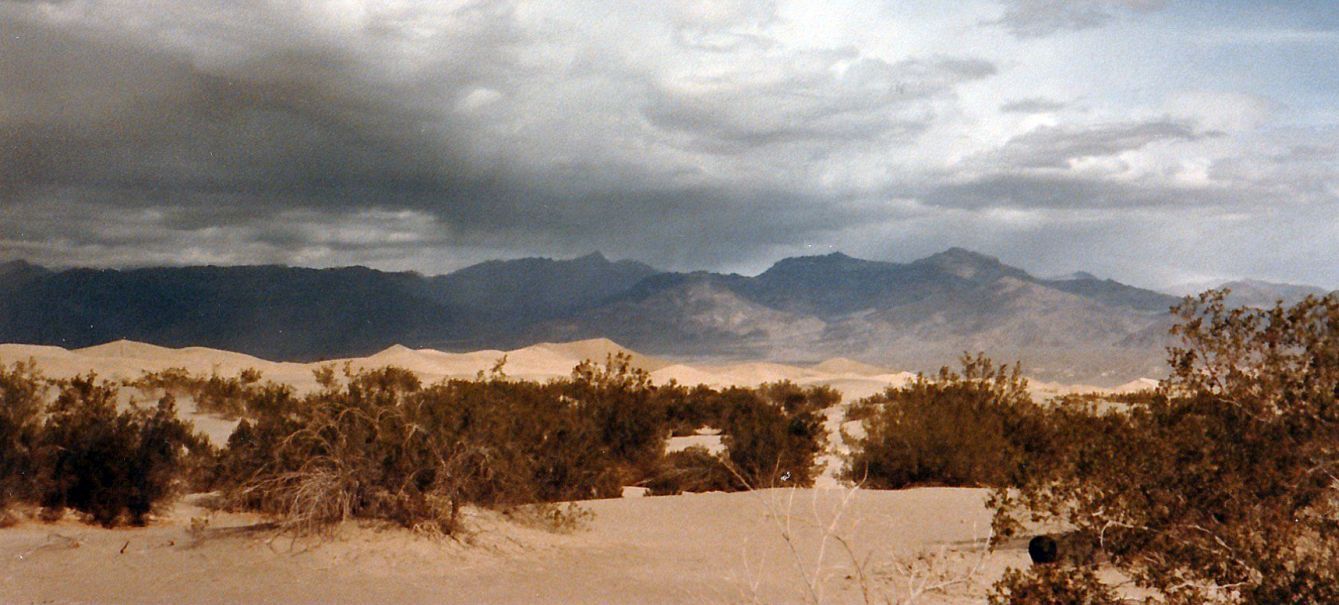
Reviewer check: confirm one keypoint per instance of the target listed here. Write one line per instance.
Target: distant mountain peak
(1077, 276)
(818, 261)
(20, 270)
(593, 257)
(967, 264)
(1259, 293)
(957, 254)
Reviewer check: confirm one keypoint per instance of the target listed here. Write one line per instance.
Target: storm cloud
(691, 135)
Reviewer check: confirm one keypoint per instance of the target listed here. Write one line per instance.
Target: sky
(1153, 142)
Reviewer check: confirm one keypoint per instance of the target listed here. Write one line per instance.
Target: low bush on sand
(81, 452)
(214, 394)
(971, 428)
(22, 407)
(379, 444)
(1224, 485)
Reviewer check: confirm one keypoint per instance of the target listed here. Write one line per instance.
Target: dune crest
(127, 359)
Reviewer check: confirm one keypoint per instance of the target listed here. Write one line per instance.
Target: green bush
(378, 444)
(22, 406)
(111, 465)
(628, 415)
(969, 429)
(215, 394)
(1224, 486)
(769, 445)
(692, 470)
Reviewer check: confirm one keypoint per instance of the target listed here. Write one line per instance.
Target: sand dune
(843, 365)
(124, 359)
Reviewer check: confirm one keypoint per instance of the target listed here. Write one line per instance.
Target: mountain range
(915, 316)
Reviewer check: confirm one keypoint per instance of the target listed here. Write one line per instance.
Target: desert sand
(832, 543)
(696, 548)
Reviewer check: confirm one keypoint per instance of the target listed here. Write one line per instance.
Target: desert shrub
(22, 407)
(1225, 485)
(628, 416)
(215, 394)
(1052, 585)
(171, 381)
(111, 465)
(794, 398)
(969, 429)
(378, 444)
(351, 450)
(769, 445)
(692, 470)
(687, 409)
(226, 397)
(382, 446)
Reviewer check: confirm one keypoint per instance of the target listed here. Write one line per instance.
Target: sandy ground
(696, 548)
(829, 544)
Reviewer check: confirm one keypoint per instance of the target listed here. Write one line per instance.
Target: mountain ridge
(917, 315)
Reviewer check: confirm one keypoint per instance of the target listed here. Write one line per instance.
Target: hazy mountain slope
(1255, 293)
(1073, 336)
(912, 315)
(273, 312)
(690, 315)
(1115, 293)
(836, 284)
(533, 289)
(1251, 292)
(916, 315)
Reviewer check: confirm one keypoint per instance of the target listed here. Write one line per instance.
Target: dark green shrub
(968, 429)
(215, 394)
(1224, 486)
(380, 445)
(688, 409)
(628, 417)
(768, 445)
(795, 399)
(111, 465)
(692, 470)
(22, 404)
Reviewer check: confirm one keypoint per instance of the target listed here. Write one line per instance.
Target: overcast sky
(1152, 142)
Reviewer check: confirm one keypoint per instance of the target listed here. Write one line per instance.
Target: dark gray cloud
(1031, 190)
(695, 134)
(1033, 105)
(1056, 147)
(1038, 18)
(868, 99)
(212, 133)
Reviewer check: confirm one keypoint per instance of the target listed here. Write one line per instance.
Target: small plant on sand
(692, 470)
(214, 394)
